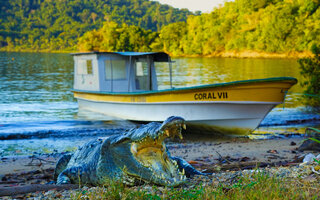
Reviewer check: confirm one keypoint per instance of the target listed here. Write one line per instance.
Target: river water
(37, 104)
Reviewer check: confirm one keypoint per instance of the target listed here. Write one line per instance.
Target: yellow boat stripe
(193, 102)
(258, 92)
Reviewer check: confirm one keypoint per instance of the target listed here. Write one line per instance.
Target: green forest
(267, 26)
(271, 26)
(56, 25)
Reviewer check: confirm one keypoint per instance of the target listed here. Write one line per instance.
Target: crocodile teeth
(167, 132)
(184, 126)
(180, 136)
(134, 149)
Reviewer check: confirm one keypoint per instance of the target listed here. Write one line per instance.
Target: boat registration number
(210, 95)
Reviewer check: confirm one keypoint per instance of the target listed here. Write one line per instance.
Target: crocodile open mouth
(152, 153)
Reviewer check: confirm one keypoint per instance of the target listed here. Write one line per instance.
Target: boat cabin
(117, 71)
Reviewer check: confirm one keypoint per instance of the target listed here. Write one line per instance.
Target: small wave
(61, 129)
(290, 116)
(37, 107)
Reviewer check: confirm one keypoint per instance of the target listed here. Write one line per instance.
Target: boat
(124, 85)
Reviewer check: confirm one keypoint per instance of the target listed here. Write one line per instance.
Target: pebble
(308, 159)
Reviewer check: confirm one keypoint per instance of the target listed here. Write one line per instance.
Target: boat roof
(157, 56)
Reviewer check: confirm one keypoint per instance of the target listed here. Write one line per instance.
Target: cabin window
(85, 67)
(142, 76)
(115, 69)
(163, 75)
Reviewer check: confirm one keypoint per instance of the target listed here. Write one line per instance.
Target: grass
(256, 186)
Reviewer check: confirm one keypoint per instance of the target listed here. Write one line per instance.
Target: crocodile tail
(61, 165)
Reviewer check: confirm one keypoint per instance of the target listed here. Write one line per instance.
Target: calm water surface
(37, 102)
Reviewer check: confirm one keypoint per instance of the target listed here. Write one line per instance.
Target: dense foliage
(115, 37)
(57, 24)
(271, 26)
(310, 70)
(265, 26)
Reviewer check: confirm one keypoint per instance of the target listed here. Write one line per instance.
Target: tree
(310, 70)
(115, 37)
(22, 19)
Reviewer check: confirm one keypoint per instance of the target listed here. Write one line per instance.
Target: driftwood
(11, 182)
(15, 190)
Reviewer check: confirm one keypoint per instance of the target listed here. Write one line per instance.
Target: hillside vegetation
(57, 24)
(287, 27)
(269, 26)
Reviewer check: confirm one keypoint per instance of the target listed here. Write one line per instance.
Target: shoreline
(226, 54)
(256, 54)
(228, 160)
(204, 155)
(249, 54)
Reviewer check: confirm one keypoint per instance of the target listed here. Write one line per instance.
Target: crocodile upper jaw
(152, 154)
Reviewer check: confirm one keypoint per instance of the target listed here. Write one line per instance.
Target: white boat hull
(235, 118)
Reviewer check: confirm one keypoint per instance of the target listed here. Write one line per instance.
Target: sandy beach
(20, 164)
(222, 157)
(202, 154)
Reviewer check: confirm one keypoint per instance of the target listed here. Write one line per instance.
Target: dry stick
(11, 191)
(11, 182)
(37, 158)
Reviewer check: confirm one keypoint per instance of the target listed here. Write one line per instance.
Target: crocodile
(135, 157)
